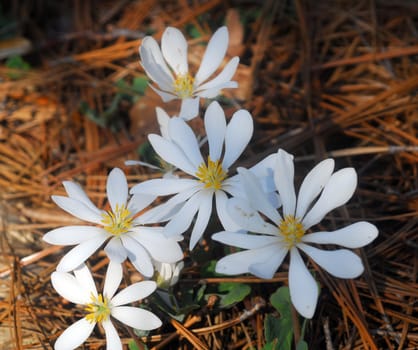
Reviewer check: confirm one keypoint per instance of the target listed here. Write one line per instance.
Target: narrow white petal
(138, 202)
(355, 235)
(283, 177)
(216, 90)
(134, 292)
(303, 288)
(117, 188)
(75, 191)
(203, 216)
(115, 250)
(166, 96)
(189, 108)
(138, 256)
(80, 254)
(213, 56)
(244, 240)
(163, 119)
(75, 335)
(112, 337)
(85, 280)
(77, 209)
(340, 263)
(163, 187)
(174, 49)
(113, 278)
(68, 287)
(71, 235)
(337, 192)
(312, 185)
(215, 126)
(267, 268)
(238, 133)
(136, 318)
(171, 153)
(222, 78)
(182, 134)
(221, 209)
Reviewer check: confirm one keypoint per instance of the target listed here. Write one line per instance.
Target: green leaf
(132, 346)
(302, 345)
(139, 85)
(271, 328)
(236, 292)
(17, 63)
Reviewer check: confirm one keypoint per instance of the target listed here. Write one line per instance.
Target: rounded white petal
(221, 209)
(112, 337)
(215, 126)
(134, 292)
(303, 288)
(69, 287)
(77, 209)
(222, 80)
(75, 335)
(238, 133)
(355, 235)
(71, 235)
(117, 188)
(213, 56)
(79, 254)
(171, 153)
(163, 187)
(115, 250)
(174, 49)
(75, 191)
(283, 177)
(313, 184)
(189, 108)
(85, 280)
(166, 96)
(163, 119)
(113, 278)
(138, 202)
(216, 90)
(340, 263)
(244, 240)
(337, 192)
(203, 216)
(267, 268)
(136, 318)
(138, 256)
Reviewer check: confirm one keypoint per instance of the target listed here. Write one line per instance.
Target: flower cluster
(258, 207)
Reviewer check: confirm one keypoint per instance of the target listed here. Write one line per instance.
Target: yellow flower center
(98, 310)
(183, 85)
(292, 230)
(117, 222)
(212, 174)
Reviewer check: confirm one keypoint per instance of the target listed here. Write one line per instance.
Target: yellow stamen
(117, 222)
(99, 309)
(292, 230)
(183, 85)
(212, 175)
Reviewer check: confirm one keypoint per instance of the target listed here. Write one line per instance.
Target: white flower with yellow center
(122, 226)
(79, 288)
(168, 68)
(273, 236)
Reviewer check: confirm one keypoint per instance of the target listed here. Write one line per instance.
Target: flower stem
(296, 325)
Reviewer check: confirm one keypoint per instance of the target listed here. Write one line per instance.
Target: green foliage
(235, 292)
(19, 65)
(132, 346)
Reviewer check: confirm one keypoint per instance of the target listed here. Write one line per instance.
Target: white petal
(174, 49)
(313, 184)
(244, 240)
(337, 192)
(238, 133)
(75, 335)
(77, 209)
(171, 153)
(113, 278)
(75, 191)
(166, 96)
(355, 235)
(112, 337)
(303, 288)
(138, 256)
(80, 253)
(213, 56)
(215, 126)
(248, 218)
(163, 119)
(117, 188)
(267, 268)
(283, 177)
(221, 209)
(71, 235)
(138, 202)
(203, 216)
(134, 292)
(115, 250)
(340, 263)
(189, 108)
(68, 287)
(163, 187)
(222, 78)
(216, 90)
(264, 171)
(85, 280)
(136, 318)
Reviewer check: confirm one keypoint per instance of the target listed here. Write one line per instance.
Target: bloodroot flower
(168, 68)
(79, 288)
(123, 226)
(272, 238)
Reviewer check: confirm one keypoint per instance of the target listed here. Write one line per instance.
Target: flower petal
(221, 209)
(355, 235)
(136, 318)
(115, 250)
(216, 90)
(85, 280)
(303, 288)
(244, 240)
(112, 337)
(75, 191)
(117, 189)
(138, 256)
(313, 184)
(77, 209)
(113, 278)
(163, 118)
(203, 216)
(174, 49)
(68, 287)
(75, 335)
(165, 96)
(163, 187)
(213, 56)
(215, 126)
(337, 192)
(189, 108)
(134, 292)
(222, 79)
(238, 133)
(268, 268)
(264, 171)
(71, 235)
(340, 263)
(138, 202)
(283, 177)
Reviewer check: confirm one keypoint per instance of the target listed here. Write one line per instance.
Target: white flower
(79, 288)
(271, 241)
(168, 68)
(121, 225)
(167, 275)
